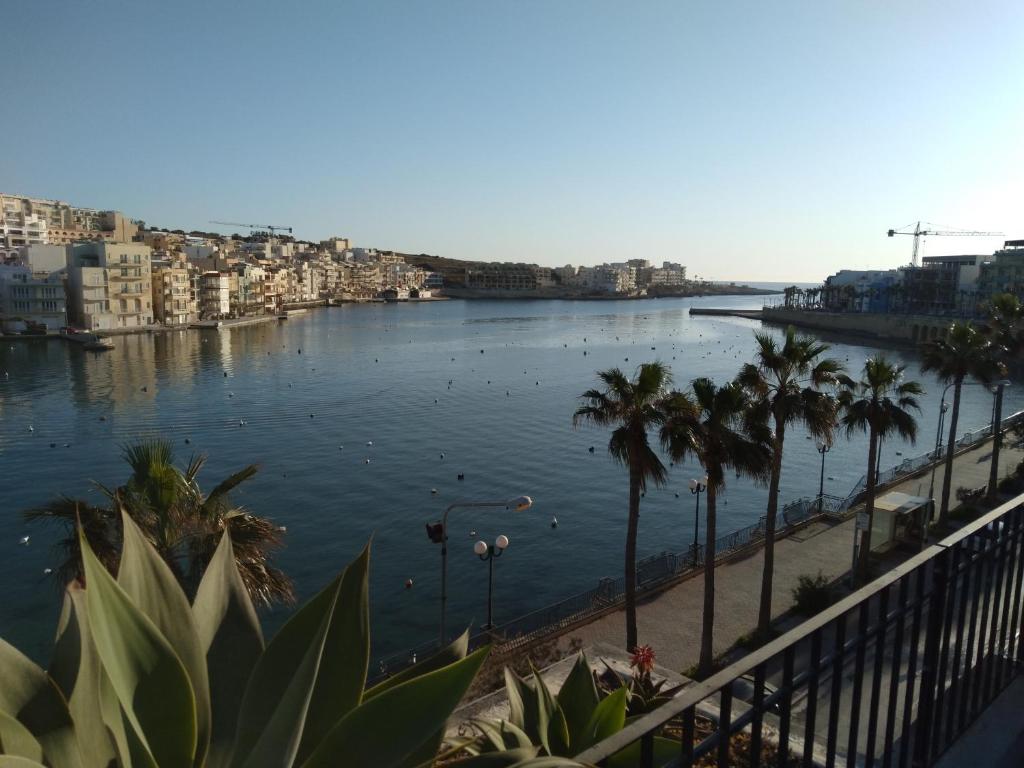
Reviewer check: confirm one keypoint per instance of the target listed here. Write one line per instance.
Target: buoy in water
(554, 521)
(591, 449)
(461, 476)
(408, 583)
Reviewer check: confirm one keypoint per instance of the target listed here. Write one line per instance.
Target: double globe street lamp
(822, 448)
(438, 533)
(489, 554)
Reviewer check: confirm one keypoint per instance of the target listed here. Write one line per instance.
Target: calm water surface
(381, 373)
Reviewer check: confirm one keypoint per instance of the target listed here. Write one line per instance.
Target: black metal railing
(889, 676)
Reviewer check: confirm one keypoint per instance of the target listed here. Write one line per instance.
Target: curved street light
(438, 533)
(697, 487)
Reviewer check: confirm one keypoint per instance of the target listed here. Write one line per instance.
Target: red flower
(642, 659)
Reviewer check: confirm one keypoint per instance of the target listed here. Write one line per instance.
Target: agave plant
(140, 677)
(563, 724)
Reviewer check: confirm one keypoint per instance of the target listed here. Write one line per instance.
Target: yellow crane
(256, 228)
(918, 233)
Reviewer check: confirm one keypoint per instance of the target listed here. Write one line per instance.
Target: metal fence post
(924, 728)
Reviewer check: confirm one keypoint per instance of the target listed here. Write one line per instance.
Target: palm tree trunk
(707, 652)
(947, 478)
(864, 557)
(764, 617)
(631, 533)
(997, 443)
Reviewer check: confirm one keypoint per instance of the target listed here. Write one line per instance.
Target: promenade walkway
(671, 621)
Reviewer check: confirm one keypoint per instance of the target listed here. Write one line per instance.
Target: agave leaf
(367, 736)
(447, 655)
(146, 675)
(577, 699)
(27, 694)
(282, 682)
(76, 669)
(504, 759)
(501, 735)
(517, 693)
(665, 752)
(152, 587)
(549, 762)
(341, 676)
(232, 642)
(550, 718)
(608, 718)
(16, 739)
(12, 761)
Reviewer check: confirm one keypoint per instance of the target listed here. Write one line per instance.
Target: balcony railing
(891, 675)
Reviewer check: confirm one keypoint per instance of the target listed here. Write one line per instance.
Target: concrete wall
(902, 328)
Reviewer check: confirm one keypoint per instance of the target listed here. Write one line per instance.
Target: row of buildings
(954, 286)
(100, 271)
(629, 278)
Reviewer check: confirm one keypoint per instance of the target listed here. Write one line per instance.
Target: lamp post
(438, 533)
(697, 487)
(997, 434)
(488, 553)
(823, 448)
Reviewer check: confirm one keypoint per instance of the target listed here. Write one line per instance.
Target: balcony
(894, 674)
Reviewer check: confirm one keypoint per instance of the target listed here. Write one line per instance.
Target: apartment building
(109, 285)
(28, 220)
(174, 301)
(215, 295)
(29, 299)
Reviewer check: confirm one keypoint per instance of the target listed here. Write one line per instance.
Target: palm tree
(787, 379)
(879, 404)
(963, 352)
(182, 523)
(1005, 329)
(632, 407)
(722, 429)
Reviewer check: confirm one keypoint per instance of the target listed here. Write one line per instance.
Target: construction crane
(918, 233)
(255, 227)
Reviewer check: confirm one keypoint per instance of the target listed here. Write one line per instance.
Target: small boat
(99, 345)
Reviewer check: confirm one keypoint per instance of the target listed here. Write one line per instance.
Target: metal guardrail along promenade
(891, 676)
(657, 570)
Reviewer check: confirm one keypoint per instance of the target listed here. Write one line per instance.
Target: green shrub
(813, 594)
(141, 678)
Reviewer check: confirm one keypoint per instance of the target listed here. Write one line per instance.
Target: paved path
(671, 620)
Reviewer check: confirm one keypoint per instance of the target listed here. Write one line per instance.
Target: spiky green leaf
(578, 698)
(447, 655)
(231, 640)
(366, 736)
(146, 675)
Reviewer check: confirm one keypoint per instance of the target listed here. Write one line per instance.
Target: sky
(747, 140)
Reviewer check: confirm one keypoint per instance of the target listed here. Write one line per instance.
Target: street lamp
(697, 487)
(823, 448)
(438, 533)
(489, 553)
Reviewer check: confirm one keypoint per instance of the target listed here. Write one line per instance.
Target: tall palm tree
(632, 407)
(722, 429)
(182, 523)
(1005, 329)
(964, 352)
(787, 379)
(880, 404)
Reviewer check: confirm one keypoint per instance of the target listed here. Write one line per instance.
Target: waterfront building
(250, 291)
(507, 276)
(1004, 272)
(109, 285)
(28, 220)
(215, 295)
(31, 299)
(433, 281)
(174, 301)
(668, 275)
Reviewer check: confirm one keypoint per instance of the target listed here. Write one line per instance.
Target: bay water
(485, 389)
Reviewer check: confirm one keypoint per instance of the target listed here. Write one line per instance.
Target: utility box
(900, 519)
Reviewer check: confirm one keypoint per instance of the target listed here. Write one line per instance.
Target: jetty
(749, 314)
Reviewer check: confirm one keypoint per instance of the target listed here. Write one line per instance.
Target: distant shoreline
(476, 294)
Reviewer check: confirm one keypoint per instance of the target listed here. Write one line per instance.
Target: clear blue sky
(762, 141)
